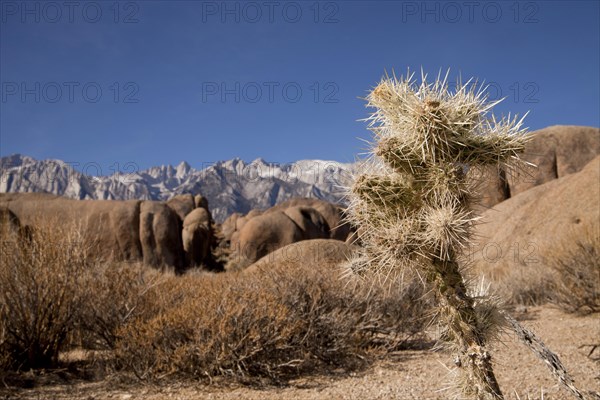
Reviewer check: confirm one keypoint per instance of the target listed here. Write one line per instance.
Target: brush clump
(412, 202)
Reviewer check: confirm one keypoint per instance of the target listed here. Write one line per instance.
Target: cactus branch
(412, 203)
(469, 340)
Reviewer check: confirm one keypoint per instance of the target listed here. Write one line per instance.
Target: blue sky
(158, 82)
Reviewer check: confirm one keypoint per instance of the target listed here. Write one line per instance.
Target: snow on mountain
(230, 186)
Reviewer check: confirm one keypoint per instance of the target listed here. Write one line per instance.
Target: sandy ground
(420, 375)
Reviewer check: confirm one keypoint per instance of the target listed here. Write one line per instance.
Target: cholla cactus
(412, 203)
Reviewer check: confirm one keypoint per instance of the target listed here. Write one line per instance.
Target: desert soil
(404, 375)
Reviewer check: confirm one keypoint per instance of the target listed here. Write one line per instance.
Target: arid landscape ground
(402, 375)
(299, 200)
(155, 300)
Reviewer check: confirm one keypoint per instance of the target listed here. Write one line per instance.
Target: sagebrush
(56, 296)
(567, 274)
(42, 275)
(575, 264)
(268, 324)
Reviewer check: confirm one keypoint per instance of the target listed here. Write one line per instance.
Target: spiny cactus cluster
(412, 203)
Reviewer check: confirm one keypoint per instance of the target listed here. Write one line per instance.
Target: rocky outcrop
(197, 238)
(318, 252)
(114, 225)
(132, 230)
(229, 226)
(332, 213)
(229, 186)
(182, 204)
(260, 233)
(160, 235)
(522, 230)
(236, 186)
(553, 153)
(9, 223)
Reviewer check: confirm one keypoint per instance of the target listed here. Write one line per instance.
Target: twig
(536, 345)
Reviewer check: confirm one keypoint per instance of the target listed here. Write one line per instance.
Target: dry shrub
(529, 285)
(55, 295)
(568, 275)
(41, 276)
(271, 324)
(117, 293)
(576, 264)
(5, 356)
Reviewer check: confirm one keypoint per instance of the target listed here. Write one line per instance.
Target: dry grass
(41, 275)
(119, 293)
(568, 275)
(55, 297)
(576, 265)
(269, 324)
(530, 285)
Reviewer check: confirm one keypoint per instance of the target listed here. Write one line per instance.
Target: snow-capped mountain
(230, 186)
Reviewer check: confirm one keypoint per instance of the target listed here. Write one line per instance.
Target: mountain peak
(230, 186)
(15, 160)
(260, 160)
(182, 169)
(231, 164)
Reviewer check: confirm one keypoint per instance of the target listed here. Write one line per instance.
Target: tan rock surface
(318, 252)
(556, 151)
(522, 230)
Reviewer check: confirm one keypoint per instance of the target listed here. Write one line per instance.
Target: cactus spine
(412, 203)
